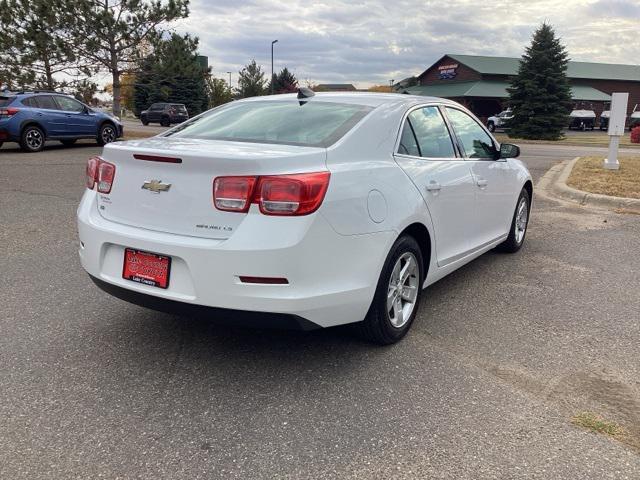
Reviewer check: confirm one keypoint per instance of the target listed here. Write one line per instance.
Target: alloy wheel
(108, 134)
(34, 139)
(403, 289)
(522, 217)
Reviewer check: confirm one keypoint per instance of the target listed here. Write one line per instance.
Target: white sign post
(617, 119)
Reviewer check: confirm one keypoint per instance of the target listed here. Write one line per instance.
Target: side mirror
(508, 150)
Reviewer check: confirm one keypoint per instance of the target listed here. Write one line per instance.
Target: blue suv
(31, 118)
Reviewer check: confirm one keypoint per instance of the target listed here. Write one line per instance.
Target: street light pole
(272, 43)
(229, 80)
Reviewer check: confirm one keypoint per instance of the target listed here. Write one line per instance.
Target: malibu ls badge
(156, 186)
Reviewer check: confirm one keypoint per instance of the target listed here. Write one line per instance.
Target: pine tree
(219, 91)
(251, 81)
(32, 53)
(108, 32)
(284, 82)
(172, 73)
(540, 95)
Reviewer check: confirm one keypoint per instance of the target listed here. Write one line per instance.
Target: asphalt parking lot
(503, 354)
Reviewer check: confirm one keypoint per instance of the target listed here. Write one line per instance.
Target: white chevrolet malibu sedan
(307, 211)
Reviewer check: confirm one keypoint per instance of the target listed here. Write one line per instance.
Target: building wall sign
(447, 72)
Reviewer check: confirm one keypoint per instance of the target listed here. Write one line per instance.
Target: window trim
(454, 140)
(463, 151)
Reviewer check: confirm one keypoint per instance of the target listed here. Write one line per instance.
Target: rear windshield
(312, 124)
(180, 108)
(5, 101)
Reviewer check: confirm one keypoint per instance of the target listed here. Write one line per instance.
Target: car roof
(371, 99)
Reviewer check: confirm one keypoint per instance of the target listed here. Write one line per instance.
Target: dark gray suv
(165, 114)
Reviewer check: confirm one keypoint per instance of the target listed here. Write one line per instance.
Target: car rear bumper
(332, 277)
(243, 318)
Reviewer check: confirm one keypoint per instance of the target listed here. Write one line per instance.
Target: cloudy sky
(370, 42)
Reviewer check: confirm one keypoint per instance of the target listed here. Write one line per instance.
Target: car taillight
(233, 194)
(292, 194)
(101, 173)
(106, 172)
(92, 172)
(299, 194)
(8, 112)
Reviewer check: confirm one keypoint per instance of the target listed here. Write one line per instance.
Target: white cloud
(369, 42)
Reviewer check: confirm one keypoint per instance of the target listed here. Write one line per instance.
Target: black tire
(68, 143)
(516, 237)
(32, 139)
(491, 127)
(165, 122)
(107, 134)
(377, 326)
(144, 121)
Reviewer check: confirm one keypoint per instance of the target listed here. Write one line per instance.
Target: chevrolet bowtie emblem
(156, 186)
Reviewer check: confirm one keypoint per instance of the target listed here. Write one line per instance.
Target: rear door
(46, 112)
(426, 152)
(78, 120)
(494, 179)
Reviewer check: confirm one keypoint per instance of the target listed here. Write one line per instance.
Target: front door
(426, 153)
(78, 120)
(492, 177)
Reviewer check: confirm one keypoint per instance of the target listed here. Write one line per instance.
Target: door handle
(433, 186)
(481, 182)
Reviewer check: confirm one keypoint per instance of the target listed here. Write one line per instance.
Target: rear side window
(157, 107)
(46, 102)
(476, 142)
(408, 144)
(312, 124)
(431, 133)
(30, 102)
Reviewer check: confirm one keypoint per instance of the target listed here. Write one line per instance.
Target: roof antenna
(304, 92)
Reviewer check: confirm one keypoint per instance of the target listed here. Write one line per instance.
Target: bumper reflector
(264, 280)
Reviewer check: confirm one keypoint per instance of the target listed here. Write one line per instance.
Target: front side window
(476, 142)
(69, 104)
(311, 124)
(431, 133)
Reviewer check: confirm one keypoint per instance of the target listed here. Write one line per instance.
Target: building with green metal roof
(480, 82)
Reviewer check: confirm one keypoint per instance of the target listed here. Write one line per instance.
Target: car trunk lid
(165, 184)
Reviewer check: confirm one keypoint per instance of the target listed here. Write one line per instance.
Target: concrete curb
(554, 182)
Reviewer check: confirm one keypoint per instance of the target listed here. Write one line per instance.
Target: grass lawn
(589, 175)
(579, 139)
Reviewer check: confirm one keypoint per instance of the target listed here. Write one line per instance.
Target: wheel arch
(528, 186)
(104, 122)
(30, 122)
(420, 234)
